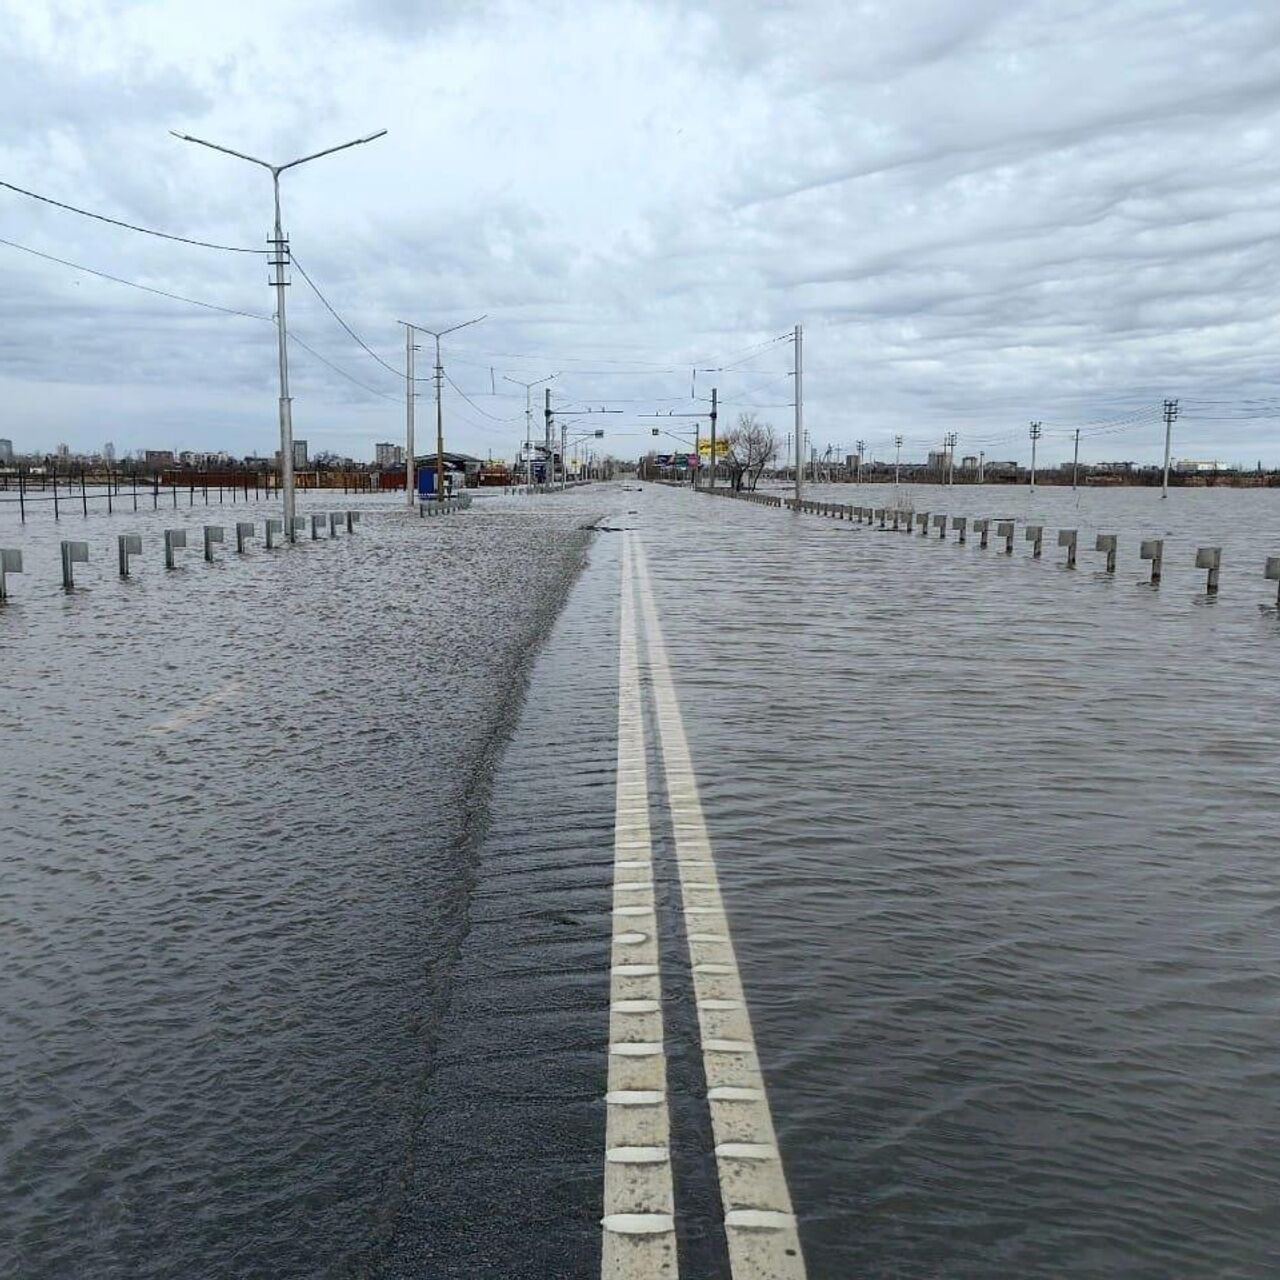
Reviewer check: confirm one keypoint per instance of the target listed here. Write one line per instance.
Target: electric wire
(399, 373)
(129, 226)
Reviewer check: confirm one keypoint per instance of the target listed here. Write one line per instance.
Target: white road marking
(200, 709)
(638, 1239)
(759, 1224)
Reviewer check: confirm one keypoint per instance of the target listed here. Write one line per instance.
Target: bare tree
(751, 445)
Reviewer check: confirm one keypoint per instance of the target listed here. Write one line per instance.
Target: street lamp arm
(213, 146)
(328, 151)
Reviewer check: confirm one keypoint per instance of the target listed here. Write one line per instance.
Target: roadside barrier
(1152, 549)
(129, 545)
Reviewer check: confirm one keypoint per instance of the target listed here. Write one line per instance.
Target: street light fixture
(410, 330)
(280, 250)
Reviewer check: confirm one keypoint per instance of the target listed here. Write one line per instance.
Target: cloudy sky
(982, 213)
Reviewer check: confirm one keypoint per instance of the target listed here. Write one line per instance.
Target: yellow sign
(704, 447)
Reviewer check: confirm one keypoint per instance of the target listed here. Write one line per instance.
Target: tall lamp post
(279, 260)
(528, 419)
(410, 330)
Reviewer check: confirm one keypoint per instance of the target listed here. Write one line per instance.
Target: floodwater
(304, 907)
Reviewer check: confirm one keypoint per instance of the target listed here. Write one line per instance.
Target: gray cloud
(982, 213)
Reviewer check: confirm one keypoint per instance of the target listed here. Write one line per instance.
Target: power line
(293, 338)
(475, 406)
(399, 373)
(133, 284)
(116, 222)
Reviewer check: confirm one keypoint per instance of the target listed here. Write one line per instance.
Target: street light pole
(437, 334)
(897, 459)
(528, 419)
(410, 395)
(279, 260)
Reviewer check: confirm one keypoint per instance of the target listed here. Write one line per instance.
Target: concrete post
(127, 544)
(1210, 558)
(11, 562)
(273, 527)
(922, 519)
(1271, 573)
(881, 515)
(353, 519)
(1004, 529)
(244, 531)
(1035, 536)
(212, 534)
(1153, 549)
(317, 523)
(959, 523)
(982, 527)
(1068, 538)
(1107, 542)
(174, 539)
(940, 523)
(72, 553)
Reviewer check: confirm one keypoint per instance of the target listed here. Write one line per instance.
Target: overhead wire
(130, 226)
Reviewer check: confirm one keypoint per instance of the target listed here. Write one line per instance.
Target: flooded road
(307, 905)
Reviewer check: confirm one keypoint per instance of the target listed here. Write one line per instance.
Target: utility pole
(862, 445)
(409, 397)
(1170, 417)
(279, 260)
(950, 446)
(715, 406)
(799, 375)
(1075, 460)
(1035, 435)
(982, 466)
(551, 453)
(897, 459)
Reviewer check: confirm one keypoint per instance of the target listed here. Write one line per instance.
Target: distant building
(63, 451)
(939, 459)
(852, 461)
(299, 455)
(108, 452)
(1187, 466)
(6, 452)
(387, 454)
(156, 458)
(968, 463)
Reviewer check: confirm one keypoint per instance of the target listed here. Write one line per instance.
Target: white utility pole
(1035, 436)
(862, 444)
(279, 261)
(409, 397)
(897, 459)
(951, 457)
(1170, 416)
(1075, 460)
(799, 372)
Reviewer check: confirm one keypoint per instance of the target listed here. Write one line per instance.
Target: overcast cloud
(981, 212)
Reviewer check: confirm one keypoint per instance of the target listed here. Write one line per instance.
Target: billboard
(722, 448)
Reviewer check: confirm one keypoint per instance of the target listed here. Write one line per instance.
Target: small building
(6, 453)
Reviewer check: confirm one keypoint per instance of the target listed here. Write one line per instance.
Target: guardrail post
(1271, 573)
(1068, 538)
(212, 534)
(1035, 535)
(11, 562)
(983, 527)
(173, 540)
(1210, 558)
(1107, 542)
(317, 523)
(958, 523)
(335, 519)
(299, 526)
(72, 553)
(1004, 529)
(1153, 549)
(922, 519)
(940, 523)
(880, 515)
(353, 519)
(128, 544)
(274, 525)
(244, 531)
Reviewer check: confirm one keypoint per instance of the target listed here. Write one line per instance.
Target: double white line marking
(639, 1223)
